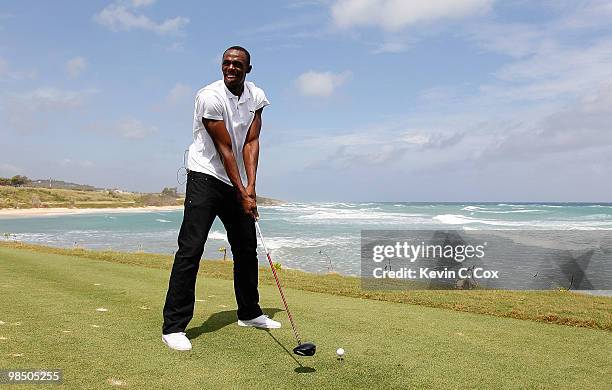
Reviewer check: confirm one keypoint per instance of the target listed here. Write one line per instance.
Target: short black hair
(242, 49)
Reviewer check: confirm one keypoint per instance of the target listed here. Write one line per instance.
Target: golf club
(302, 349)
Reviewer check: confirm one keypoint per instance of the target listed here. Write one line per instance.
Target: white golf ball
(340, 352)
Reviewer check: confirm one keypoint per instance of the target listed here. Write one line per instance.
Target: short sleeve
(260, 99)
(209, 106)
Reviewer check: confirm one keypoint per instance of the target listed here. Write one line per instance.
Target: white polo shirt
(216, 102)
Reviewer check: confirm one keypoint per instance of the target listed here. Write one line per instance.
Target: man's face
(234, 67)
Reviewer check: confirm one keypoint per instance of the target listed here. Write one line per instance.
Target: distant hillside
(60, 184)
(39, 197)
(22, 192)
(261, 201)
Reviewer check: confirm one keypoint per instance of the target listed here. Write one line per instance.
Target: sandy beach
(46, 212)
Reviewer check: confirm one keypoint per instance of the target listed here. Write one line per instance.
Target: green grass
(49, 306)
(558, 307)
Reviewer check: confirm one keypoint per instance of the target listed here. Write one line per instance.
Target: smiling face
(235, 66)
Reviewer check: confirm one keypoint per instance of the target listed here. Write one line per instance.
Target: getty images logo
(412, 252)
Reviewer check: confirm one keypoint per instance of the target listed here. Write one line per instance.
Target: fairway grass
(50, 318)
(557, 307)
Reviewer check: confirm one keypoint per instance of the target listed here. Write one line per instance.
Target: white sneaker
(261, 322)
(177, 341)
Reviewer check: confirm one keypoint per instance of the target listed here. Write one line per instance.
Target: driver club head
(305, 349)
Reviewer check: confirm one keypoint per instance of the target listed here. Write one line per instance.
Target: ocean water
(315, 237)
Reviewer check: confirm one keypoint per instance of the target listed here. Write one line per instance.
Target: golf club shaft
(280, 289)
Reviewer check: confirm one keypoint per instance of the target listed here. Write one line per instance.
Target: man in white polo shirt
(221, 182)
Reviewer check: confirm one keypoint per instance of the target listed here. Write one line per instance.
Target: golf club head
(305, 349)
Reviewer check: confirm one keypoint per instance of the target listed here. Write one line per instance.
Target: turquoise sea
(316, 237)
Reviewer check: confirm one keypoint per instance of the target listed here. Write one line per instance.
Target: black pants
(208, 197)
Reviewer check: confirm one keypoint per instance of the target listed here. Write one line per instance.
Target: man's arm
(250, 153)
(223, 143)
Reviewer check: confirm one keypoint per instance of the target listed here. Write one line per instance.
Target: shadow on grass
(222, 319)
(300, 369)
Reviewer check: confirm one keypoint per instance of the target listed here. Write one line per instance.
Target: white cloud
(82, 164)
(545, 65)
(391, 47)
(439, 93)
(549, 64)
(134, 129)
(178, 93)
(3, 67)
(19, 108)
(543, 116)
(321, 84)
(579, 129)
(380, 144)
(9, 169)
(4, 16)
(141, 3)
(8, 73)
(587, 14)
(512, 39)
(582, 124)
(118, 17)
(75, 66)
(54, 99)
(599, 100)
(176, 47)
(303, 3)
(393, 15)
(555, 60)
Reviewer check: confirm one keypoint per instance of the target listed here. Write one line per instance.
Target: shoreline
(58, 211)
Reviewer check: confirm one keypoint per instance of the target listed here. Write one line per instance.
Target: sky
(388, 100)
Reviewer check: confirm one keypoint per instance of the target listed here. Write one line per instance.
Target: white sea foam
(516, 211)
(311, 242)
(360, 215)
(480, 210)
(34, 237)
(453, 219)
(163, 220)
(542, 239)
(456, 219)
(515, 205)
(217, 235)
(472, 208)
(595, 217)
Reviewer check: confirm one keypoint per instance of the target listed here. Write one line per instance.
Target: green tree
(19, 180)
(170, 191)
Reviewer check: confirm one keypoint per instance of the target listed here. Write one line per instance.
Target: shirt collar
(246, 94)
